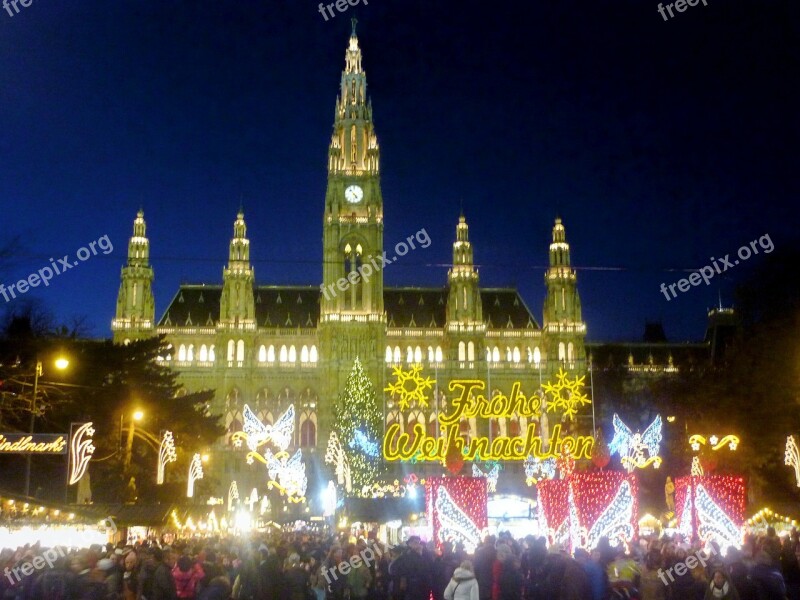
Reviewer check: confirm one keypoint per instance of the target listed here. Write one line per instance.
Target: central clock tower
(352, 318)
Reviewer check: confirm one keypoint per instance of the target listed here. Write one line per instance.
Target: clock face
(353, 194)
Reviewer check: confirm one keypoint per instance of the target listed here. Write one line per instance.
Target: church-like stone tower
(135, 315)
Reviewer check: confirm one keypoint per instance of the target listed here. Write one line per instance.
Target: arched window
(488, 355)
(537, 355)
(431, 356)
(203, 353)
(509, 356)
(397, 354)
(312, 355)
(438, 354)
(496, 354)
(516, 355)
(409, 355)
(292, 355)
(308, 434)
(304, 354)
(471, 351)
(231, 350)
(462, 352)
(388, 355)
(262, 354)
(271, 354)
(570, 352)
(211, 354)
(284, 355)
(562, 351)
(433, 426)
(190, 353)
(182, 353)
(418, 355)
(240, 350)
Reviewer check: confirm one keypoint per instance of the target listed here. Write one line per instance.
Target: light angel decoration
(286, 474)
(166, 454)
(632, 447)
(537, 469)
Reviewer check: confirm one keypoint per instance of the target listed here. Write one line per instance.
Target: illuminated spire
(354, 145)
(135, 312)
(236, 304)
(464, 298)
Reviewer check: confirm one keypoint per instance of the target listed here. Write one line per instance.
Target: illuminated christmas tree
(358, 426)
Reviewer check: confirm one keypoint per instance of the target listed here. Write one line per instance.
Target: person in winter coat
(767, 578)
(186, 575)
(295, 578)
(218, 588)
(721, 587)
(463, 585)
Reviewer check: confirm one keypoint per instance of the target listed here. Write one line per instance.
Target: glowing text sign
(422, 447)
(40, 443)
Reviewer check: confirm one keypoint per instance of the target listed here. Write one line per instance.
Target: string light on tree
(357, 409)
(166, 454)
(195, 472)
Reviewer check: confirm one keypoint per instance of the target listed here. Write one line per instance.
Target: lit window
(283, 354)
(462, 352)
(516, 355)
(240, 350)
(570, 352)
(537, 355)
(231, 349)
(271, 353)
(471, 351)
(417, 355)
(562, 351)
(508, 354)
(388, 355)
(203, 353)
(409, 355)
(304, 354)
(182, 352)
(438, 354)
(262, 354)
(211, 354)
(397, 354)
(190, 353)
(496, 354)
(430, 354)
(292, 354)
(312, 355)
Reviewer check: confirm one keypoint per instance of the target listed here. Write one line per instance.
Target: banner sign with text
(37, 443)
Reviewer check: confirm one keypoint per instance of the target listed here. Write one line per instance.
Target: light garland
(632, 446)
(491, 476)
(195, 472)
(792, 457)
(336, 456)
(762, 515)
(362, 442)
(166, 454)
(716, 443)
(409, 387)
(697, 468)
(81, 449)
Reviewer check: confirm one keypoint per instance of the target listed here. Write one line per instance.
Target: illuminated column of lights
(697, 468)
(792, 457)
(195, 472)
(166, 454)
(233, 494)
(81, 450)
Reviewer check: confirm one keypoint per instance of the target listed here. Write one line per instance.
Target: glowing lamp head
(204, 458)
(138, 415)
(61, 363)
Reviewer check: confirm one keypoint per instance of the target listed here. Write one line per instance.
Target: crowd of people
(304, 566)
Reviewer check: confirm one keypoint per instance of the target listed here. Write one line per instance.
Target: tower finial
(354, 21)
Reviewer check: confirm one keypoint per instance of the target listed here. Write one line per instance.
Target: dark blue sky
(660, 144)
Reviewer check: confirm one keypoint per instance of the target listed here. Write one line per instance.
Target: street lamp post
(61, 364)
(137, 416)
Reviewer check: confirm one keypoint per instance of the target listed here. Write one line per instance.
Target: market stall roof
(149, 515)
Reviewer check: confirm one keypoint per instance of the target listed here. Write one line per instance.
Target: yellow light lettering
(400, 450)
(477, 445)
(583, 446)
(500, 447)
(462, 402)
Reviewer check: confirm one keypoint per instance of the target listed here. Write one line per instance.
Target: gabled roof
(298, 306)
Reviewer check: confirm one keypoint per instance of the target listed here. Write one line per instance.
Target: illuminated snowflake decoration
(410, 386)
(566, 395)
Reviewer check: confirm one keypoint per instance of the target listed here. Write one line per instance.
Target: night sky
(660, 144)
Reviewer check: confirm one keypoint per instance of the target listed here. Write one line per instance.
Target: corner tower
(564, 329)
(135, 313)
(236, 307)
(352, 320)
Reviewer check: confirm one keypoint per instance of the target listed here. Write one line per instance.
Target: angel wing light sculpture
(632, 447)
